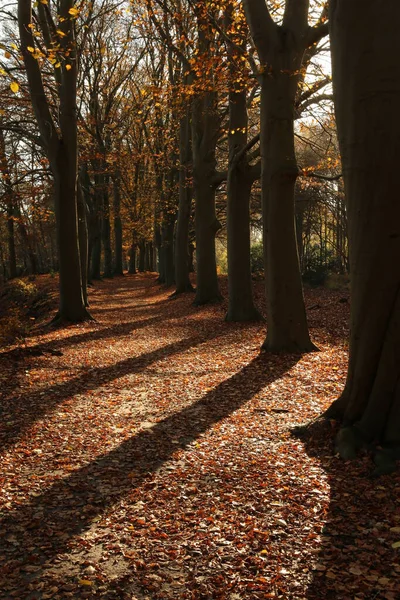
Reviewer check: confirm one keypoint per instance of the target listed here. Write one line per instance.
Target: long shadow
(48, 522)
(355, 557)
(79, 338)
(20, 412)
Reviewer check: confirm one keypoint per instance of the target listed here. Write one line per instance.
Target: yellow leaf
(44, 2)
(68, 67)
(30, 49)
(61, 33)
(2, 72)
(57, 65)
(73, 11)
(2, 112)
(396, 545)
(14, 87)
(14, 46)
(85, 582)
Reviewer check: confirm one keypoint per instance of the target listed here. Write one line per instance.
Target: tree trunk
(83, 242)
(72, 307)
(287, 329)
(132, 255)
(106, 227)
(205, 131)
(182, 279)
(161, 269)
(241, 306)
(8, 196)
(366, 78)
(167, 248)
(142, 251)
(118, 266)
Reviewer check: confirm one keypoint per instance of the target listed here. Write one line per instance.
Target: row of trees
(166, 100)
(172, 99)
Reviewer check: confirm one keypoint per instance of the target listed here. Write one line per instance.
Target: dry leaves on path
(148, 455)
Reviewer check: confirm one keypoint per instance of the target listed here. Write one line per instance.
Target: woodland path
(148, 455)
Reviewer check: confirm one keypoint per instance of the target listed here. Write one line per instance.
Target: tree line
(153, 127)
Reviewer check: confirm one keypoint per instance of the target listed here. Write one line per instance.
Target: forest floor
(149, 455)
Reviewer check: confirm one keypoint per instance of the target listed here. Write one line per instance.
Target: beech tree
(366, 78)
(281, 49)
(58, 139)
(241, 173)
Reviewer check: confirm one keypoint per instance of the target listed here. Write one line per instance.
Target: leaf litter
(149, 455)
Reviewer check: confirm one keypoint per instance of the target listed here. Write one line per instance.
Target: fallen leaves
(149, 456)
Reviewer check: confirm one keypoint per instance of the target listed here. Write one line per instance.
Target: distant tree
(366, 76)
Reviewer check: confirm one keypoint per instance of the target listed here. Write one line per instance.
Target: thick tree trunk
(281, 50)
(207, 226)
(182, 279)
(72, 306)
(241, 305)
(366, 78)
(287, 329)
(205, 129)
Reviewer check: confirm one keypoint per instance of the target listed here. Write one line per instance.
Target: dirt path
(148, 455)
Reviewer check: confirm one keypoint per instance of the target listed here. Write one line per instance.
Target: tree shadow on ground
(355, 559)
(47, 522)
(20, 412)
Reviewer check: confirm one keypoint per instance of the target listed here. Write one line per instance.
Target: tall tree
(241, 174)
(366, 78)
(59, 141)
(281, 50)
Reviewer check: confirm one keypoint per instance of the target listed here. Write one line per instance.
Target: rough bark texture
(366, 77)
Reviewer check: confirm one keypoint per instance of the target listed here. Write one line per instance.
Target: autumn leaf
(14, 87)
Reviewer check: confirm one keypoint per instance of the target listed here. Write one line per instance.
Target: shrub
(21, 302)
(257, 258)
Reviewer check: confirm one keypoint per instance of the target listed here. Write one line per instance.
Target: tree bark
(8, 194)
(167, 247)
(106, 225)
(287, 329)
(240, 180)
(62, 150)
(118, 266)
(366, 79)
(281, 50)
(204, 134)
(182, 279)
